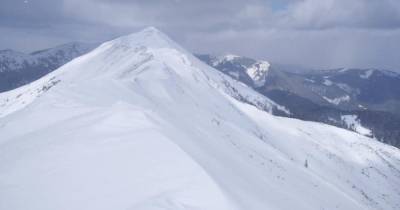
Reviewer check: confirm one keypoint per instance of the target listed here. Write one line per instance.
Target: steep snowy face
(141, 124)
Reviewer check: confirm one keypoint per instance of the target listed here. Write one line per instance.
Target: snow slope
(141, 124)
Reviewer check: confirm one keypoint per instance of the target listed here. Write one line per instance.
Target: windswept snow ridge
(141, 124)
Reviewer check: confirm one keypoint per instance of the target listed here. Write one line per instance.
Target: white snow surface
(19, 98)
(141, 124)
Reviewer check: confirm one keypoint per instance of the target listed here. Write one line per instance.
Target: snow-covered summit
(138, 123)
(258, 72)
(149, 37)
(130, 55)
(242, 68)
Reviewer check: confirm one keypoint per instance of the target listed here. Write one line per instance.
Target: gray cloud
(317, 14)
(315, 33)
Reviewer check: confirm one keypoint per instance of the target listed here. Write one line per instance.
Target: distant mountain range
(366, 101)
(363, 100)
(17, 68)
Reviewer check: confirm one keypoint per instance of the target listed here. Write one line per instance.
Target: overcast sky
(311, 33)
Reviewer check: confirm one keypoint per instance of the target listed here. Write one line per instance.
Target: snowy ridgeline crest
(139, 123)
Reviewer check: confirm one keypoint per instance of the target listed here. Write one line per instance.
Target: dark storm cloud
(317, 33)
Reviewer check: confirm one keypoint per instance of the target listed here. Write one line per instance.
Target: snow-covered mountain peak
(253, 72)
(148, 56)
(149, 37)
(139, 123)
(258, 72)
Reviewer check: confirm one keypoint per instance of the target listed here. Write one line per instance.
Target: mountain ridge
(131, 126)
(332, 108)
